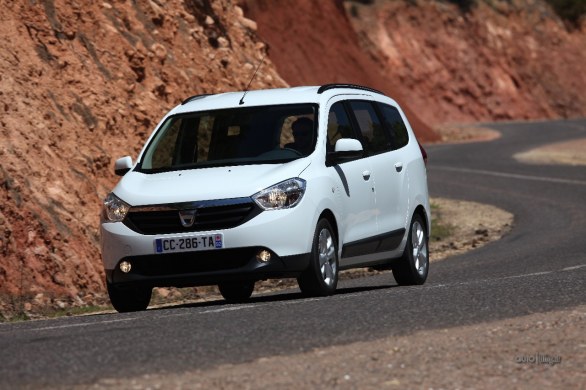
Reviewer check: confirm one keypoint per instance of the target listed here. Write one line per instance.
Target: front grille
(191, 262)
(165, 220)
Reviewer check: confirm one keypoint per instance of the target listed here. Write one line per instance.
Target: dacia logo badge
(187, 217)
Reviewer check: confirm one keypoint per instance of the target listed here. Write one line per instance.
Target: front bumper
(206, 268)
(270, 230)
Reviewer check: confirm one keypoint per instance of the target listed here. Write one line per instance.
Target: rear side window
(395, 125)
(374, 138)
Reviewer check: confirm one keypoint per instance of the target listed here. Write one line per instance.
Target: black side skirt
(382, 243)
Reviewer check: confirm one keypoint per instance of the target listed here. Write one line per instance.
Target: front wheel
(236, 292)
(129, 298)
(321, 277)
(413, 266)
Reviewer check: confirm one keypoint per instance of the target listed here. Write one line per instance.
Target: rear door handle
(366, 175)
(399, 166)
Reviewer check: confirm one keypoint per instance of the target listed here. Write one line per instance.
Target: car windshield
(236, 136)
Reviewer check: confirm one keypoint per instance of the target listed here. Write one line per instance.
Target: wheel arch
(329, 215)
(420, 210)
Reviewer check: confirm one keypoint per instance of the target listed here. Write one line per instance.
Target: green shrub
(571, 11)
(464, 5)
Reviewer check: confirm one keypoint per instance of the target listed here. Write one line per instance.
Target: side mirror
(123, 165)
(346, 149)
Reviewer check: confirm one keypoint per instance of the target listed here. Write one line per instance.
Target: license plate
(189, 244)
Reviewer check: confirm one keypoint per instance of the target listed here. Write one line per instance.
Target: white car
(244, 186)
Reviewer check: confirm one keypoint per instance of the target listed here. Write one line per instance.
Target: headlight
(283, 195)
(115, 209)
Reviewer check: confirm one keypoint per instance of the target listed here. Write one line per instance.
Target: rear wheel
(321, 277)
(129, 298)
(236, 292)
(413, 266)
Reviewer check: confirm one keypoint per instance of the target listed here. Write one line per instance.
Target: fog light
(263, 256)
(125, 267)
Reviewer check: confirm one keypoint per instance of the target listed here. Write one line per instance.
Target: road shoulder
(544, 350)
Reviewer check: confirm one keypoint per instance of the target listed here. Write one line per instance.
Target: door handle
(366, 175)
(399, 166)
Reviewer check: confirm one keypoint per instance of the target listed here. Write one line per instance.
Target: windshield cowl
(213, 164)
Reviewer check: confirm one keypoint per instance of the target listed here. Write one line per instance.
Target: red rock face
(79, 87)
(498, 62)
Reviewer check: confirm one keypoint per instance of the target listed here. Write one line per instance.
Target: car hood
(140, 189)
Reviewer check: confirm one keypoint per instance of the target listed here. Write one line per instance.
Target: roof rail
(325, 87)
(195, 97)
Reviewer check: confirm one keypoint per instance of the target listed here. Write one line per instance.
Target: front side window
(237, 136)
(374, 137)
(338, 125)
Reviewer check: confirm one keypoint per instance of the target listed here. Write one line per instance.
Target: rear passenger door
(390, 181)
(393, 187)
(355, 184)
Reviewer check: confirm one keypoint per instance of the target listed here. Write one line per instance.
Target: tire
(127, 299)
(321, 277)
(236, 292)
(413, 267)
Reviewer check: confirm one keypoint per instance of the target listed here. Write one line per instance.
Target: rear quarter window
(395, 125)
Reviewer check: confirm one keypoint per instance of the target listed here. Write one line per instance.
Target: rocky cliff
(79, 87)
(447, 61)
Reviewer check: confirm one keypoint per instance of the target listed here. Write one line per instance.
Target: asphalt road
(539, 266)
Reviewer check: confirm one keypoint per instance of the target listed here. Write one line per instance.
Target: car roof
(295, 95)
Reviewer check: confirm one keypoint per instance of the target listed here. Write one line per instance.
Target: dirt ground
(569, 153)
(545, 350)
(455, 133)
(471, 225)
